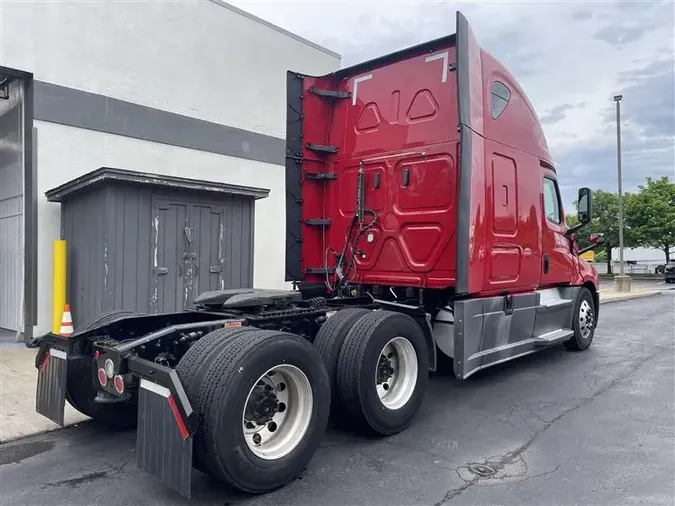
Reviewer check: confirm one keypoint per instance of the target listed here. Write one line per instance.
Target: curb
(631, 297)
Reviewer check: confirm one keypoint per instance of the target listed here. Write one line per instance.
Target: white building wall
(198, 58)
(66, 152)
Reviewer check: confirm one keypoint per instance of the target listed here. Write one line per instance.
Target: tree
(606, 222)
(651, 215)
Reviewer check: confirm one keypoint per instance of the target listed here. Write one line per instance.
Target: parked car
(669, 272)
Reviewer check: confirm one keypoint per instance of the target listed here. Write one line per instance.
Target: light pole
(621, 282)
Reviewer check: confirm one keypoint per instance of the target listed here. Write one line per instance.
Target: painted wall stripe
(81, 109)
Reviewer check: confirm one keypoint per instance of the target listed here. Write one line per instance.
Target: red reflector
(96, 355)
(119, 384)
(45, 361)
(102, 377)
(179, 419)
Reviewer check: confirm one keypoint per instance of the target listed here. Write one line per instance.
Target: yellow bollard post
(58, 284)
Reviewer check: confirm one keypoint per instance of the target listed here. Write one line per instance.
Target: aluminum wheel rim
(396, 373)
(277, 412)
(586, 319)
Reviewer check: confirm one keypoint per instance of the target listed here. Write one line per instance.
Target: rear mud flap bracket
(50, 394)
(163, 442)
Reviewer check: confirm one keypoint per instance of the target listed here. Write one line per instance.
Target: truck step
(320, 148)
(320, 270)
(553, 337)
(320, 176)
(318, 222)
(333, 94)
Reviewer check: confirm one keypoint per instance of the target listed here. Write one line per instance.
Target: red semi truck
(424, 221)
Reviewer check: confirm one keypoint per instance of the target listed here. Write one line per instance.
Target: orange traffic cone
(66, 323)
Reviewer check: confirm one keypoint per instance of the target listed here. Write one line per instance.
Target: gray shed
(152, 243)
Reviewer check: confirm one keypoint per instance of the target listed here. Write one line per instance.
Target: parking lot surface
(553, 428)
(640, 284)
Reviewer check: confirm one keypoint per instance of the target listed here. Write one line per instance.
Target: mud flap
(50, 395)
(163, 442)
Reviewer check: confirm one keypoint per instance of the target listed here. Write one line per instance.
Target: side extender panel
(492, 330)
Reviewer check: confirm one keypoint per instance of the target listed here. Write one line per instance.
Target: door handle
(161, 271)
(545, 264)
(405, 177)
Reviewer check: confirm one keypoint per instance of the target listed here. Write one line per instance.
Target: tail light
(109, 368)
(102, 377)
(119, 384)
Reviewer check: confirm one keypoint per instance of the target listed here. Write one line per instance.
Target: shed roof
(108, 174)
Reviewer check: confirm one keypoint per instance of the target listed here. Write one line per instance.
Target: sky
(570, 57)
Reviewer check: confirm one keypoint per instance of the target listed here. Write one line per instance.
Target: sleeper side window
(500, 98)
(551, 201)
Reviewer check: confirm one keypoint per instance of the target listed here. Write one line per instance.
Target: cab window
(551, 201)
(500, 98)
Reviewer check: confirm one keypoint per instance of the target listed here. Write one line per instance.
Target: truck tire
(328, 343)
(383, 372)
(263, 409)
(81, 391)
(584, 321)
(196, 362)
(192, 368)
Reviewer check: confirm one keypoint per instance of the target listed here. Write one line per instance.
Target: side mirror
(584, 206)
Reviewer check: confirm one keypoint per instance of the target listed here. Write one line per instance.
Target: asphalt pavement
(553, 428)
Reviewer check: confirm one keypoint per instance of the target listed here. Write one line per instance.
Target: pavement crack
(454, 492)
(554, 470)
(510, 458)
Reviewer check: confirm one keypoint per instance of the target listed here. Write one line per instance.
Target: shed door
(187, 251)
(169, 240)
(207, 224)
(11, 205)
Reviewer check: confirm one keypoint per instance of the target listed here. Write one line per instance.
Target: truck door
(559, 264)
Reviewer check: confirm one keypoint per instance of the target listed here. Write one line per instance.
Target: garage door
(11, 204)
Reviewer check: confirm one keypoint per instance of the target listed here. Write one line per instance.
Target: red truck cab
(427, 172)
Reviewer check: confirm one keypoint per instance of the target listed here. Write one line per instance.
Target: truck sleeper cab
(424, 221)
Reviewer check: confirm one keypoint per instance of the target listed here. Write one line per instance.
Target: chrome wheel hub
(586, 319)
(277, 412)
(396, 373)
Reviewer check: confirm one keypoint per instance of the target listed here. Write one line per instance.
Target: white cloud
(563, 53)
